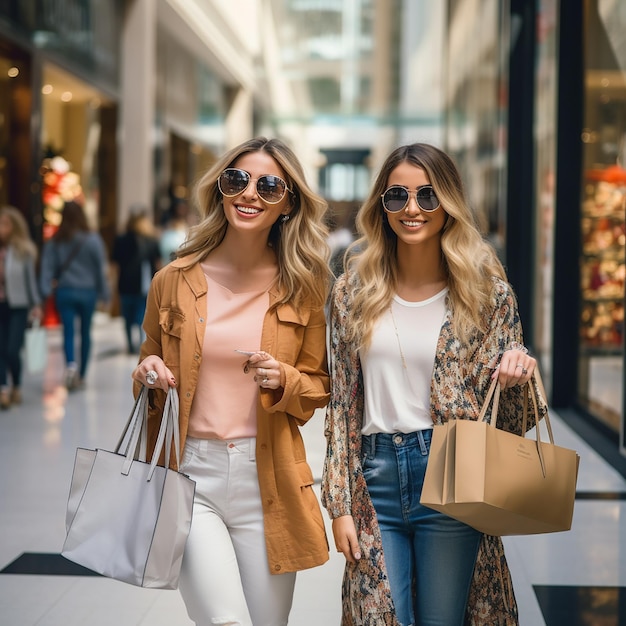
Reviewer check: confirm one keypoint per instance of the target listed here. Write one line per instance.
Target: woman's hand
(152, 372)
(344, 532)
(516, 368)
(266, 370)
(36, 313)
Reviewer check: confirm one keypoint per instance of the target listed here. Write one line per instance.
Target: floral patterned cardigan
(461, 378)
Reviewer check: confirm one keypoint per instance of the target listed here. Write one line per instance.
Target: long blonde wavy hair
(299, 243)
(468, 260)
(19, 238)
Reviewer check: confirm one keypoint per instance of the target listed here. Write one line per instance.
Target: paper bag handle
(529, 389)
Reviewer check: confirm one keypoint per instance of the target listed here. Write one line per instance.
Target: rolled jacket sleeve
(306, 381)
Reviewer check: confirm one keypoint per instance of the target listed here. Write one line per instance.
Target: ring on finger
(520, 365)
(151, 377)
(265, 380)
(524, 371)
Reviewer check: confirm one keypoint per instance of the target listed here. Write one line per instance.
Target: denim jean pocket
(372, 467)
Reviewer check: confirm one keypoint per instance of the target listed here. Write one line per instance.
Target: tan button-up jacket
(174, 324)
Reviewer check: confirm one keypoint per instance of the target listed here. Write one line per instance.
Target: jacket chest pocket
(289, 343)
(172, 322)
(289, 335)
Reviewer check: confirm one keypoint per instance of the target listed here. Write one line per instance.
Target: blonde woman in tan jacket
(236, 323)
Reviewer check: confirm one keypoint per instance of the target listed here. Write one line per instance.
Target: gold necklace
(393, 320)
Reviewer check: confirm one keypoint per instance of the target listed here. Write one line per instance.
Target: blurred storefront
(589, 192)
(15, 125)
(59, 66)
(122, 102)
(536, 115)
(190, 89)
(190, 121)
(603, 206)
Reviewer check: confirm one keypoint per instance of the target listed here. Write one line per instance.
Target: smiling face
(412, 225)
(247, 211)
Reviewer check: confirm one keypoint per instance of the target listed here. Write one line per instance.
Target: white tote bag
(128, 519)
(36, 346)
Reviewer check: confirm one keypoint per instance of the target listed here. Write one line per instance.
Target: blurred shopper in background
(421, 322)
(74, 266)
(237, 325)
(137, 257)
(174, 231)
(339, 240)
(19, 299)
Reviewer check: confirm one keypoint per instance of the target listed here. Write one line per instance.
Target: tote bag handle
(137, 427)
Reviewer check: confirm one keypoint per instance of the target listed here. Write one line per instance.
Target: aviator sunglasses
(233, 181)
(397, 197)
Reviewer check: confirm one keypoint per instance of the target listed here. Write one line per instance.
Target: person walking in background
(175, 230)
(236, 323)
(74, 266)
(339, 239)
(421, 322)
(137, 257)
(19, 299)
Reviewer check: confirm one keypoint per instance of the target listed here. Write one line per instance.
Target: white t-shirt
(397, 394)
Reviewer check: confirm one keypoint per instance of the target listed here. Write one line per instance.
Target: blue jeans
(429, 556)
(13, 322)
(133, 310)
(71, 303)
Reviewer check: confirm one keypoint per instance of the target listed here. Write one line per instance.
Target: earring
(284, 219)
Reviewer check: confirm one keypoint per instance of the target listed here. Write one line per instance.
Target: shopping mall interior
(126, 103)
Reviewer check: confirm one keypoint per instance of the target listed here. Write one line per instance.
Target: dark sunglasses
(271, 189)
(397, 197)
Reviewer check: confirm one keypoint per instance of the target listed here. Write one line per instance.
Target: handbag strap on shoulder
(70, 257)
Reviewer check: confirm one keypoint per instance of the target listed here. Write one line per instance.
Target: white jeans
(225, 577)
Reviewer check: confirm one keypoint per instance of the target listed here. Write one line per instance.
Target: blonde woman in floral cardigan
(421, 322)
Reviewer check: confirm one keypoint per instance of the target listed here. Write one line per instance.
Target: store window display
(60, 185)
(603, 267)
(603, 208)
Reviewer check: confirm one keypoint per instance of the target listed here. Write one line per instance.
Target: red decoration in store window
(612, 174)
(59, 186)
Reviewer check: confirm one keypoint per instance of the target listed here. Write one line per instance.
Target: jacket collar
(192, 273)
(194, 276)
(287, 312)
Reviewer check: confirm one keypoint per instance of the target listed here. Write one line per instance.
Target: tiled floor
(563, 579)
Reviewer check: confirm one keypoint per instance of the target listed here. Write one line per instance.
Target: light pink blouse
(225, 402)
